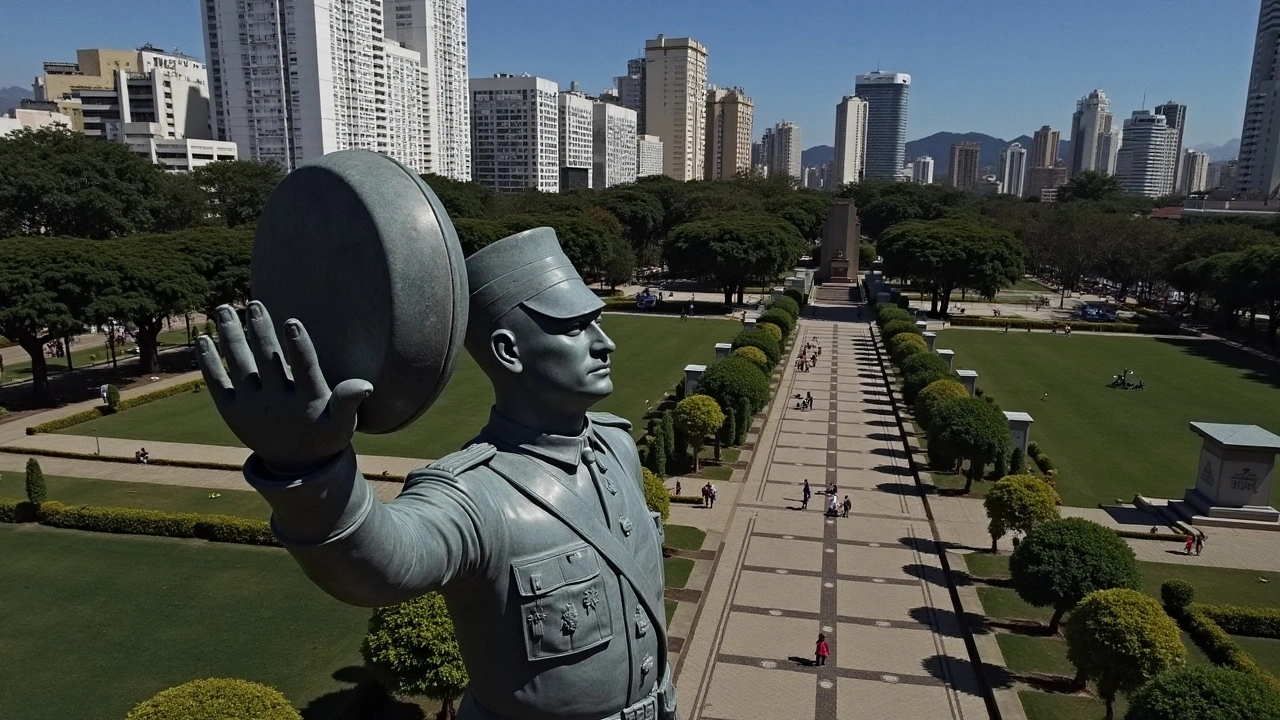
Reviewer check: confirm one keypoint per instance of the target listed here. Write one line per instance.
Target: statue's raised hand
(283, 411)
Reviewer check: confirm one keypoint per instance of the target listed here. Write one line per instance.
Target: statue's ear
(503, 345)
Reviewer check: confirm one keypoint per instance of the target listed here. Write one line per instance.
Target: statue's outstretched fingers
(307, 376)
(215, 376)
(235, 348)
(265, 345)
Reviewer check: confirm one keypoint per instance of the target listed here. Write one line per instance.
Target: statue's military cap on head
(527, 269)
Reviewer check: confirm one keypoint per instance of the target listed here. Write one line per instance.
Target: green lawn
(1048, 706)
(676, 571)
(1264, 650)
(148, 496)
(1028, 653)
(87, 353)
(683, 537)
(93, 624)
(671, 609)
(1110, 444)
(651, 356)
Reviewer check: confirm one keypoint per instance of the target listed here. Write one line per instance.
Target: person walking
(831, 505)
(706, 495)
(713, 495)
(808, 399)
(678, 493)
(845, 507)
(1190, 542)
(821, 651)
(805, 495)
(1199, 544)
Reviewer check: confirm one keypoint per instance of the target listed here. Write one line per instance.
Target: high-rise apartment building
(294, 81)
(818, 178)
(1258, 172)
(886, 96)
(964, 170)
(761, 152)
(922, 170)
(576, 119)
(405, 134)
(1194, 172)
(614, 152)
(648, 155)
(1094, 141)
(631, 90)
(437, 30)
(1146, 158)
(1013, 170)
(784, 150)
(1044, 147)
(728, 144)
(675, 93)
(515, 133)
(1228, 172)
(851, 140)
(1041, 178)
(1175, 116)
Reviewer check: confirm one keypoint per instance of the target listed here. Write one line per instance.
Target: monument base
(1198, 510)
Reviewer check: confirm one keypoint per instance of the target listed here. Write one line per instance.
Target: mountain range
(1217, 153)
(13, 96)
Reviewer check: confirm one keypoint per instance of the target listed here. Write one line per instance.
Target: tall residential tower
(1146, 160)
(515, 133)
(886, 96)
(675, 93)
(1258, 172)
(851, 141)
(1094, 142)
(1013, 170)
(728, 144)
(784, 150)
(964, 169)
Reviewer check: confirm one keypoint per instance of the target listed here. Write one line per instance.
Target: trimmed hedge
(771, 329)
(785, 321)
(1218, 645)
(933, 395)
(104, 410)
(1177, 596)
(199, 464)
(760, 339)
(888, 313)
(1204, 693)
(897, 327)
(755, 356)
(923, 362)
(734, 379)
(904, 345)
(912, 384)
(1239, 620)
(786, 304)
(133, 521)
(1143, 328)
(216, 699)
(799, 298)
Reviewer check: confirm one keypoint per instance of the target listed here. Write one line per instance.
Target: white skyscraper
(575, 119)
(1094, 140)
(515, 133)
(675, 97)
(851, 140)
(613, 145)
(1013, 170)
(785, 149)
(293, 81)
(922, 170)
(1193, 174)
(1258, 171)
(648, 155)
(1147, 159)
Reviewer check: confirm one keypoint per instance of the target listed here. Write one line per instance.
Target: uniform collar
(564, 451)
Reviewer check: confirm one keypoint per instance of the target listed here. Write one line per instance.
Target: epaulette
(465, 459)
(609, 420)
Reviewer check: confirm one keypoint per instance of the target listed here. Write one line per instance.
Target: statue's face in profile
(565, 361)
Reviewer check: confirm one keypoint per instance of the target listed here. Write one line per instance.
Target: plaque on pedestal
(969, 378)
(1233, 476)
(1019, 429)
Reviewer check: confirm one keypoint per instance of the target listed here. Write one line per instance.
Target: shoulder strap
(532, 480)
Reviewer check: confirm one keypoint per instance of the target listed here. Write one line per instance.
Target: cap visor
(564, 300)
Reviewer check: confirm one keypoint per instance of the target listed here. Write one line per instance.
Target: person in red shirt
(822, 651)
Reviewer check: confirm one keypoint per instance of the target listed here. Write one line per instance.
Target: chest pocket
(562, 602)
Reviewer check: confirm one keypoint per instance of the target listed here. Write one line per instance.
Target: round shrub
(888, 313)
(773, 330)
(897, 327)
(932, 395)
(913, 383)
(412, 649)
(755, 356)
(1059, 562)
(923, 362)
(1121, 638)
(786, 305)
(1177, 595)
(656, 495)
(1205, 692)
(796, 296)
(967, 430)
(764, 341)
(1017, 503)
(734, 379)
(904, 344)
(785, 321)
(216, 699)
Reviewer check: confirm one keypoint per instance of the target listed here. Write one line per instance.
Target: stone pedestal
(948, 355)
(723, 350)
(798, 283)
(922, 326)
(930, 339)
(1233, 477)
(970, 380)
(776, 293)
(692, 376)
(882, 298)
(749, 322)
(839, 268)
(1019, 429)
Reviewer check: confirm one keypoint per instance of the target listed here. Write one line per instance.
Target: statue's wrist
(295, 469)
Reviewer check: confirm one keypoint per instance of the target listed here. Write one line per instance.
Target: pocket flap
(541, 575)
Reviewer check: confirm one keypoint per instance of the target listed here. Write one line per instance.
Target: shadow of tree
(898, 488)
(1255, 368)
(947, 623)
(364, 700)
(961, 674)
(934, 575)
(889, 452)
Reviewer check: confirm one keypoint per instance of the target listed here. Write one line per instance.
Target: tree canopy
(238, 189)
(967, 429)
(413, 650)
(943, 255)
(733, 250)
(1017, 503)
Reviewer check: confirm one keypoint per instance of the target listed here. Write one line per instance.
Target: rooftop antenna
(1144, 99)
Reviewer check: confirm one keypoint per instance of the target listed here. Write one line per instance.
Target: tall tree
(461, 199)
(154, 284)
(951, 253)
(238, 189)
(221, 257)
(733, 249)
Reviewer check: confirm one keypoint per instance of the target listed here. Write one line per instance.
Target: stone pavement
(872, 582)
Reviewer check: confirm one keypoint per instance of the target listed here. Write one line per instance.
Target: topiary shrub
(698, 416)
(1033, 449)
(888, 313)
(656, 495)
(113, 397)
(1017, 462)
(1017, 503)
(733, 380)
(898, 327)
(1177, 595)
(679, 391)
(1059, 562)
(903, 345)
(935, 393)
(37, 490)
(657, 455)
(762, 340)
(1205, 692)
(412, 649)
(772, 330)
(785, 321)
(914, 383)
(923, 362)
(1121, 638)
(1243, 620)
(728, 435)
(755, 356)
(799, 298)
(967, 430)
(668, 433)
(216, 699)
(743, 419)
(787, 305)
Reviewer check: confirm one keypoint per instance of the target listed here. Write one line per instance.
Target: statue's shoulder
(470, 457)
(609, 420)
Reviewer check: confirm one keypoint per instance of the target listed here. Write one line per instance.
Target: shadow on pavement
(934, 575)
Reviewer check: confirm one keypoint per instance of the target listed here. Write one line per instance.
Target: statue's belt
(533, 481)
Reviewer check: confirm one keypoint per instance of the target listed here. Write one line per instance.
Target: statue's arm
(366, 552)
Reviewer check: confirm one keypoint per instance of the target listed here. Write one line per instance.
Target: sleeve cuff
(315, 508)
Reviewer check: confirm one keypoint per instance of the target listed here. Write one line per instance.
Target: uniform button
(625, 523)
(646, 664)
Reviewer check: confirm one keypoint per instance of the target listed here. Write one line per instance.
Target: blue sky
(1002, 67)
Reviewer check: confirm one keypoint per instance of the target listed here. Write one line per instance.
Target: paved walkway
(871, 582)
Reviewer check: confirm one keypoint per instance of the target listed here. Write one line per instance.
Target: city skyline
(1080, 57)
